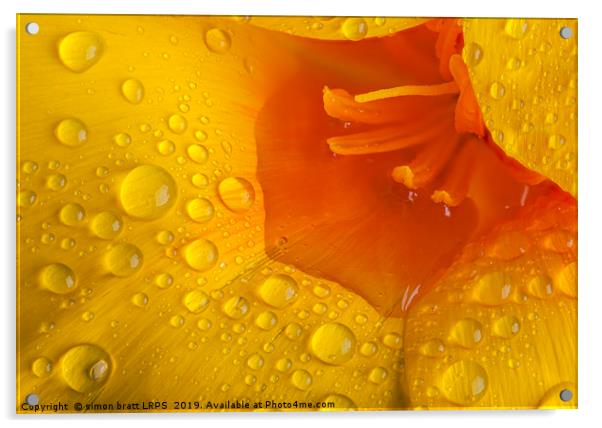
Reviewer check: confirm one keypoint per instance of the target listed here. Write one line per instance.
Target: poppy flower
(378, 213)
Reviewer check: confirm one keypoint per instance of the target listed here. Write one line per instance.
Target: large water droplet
(201, 254)
(464, 382)
(58, 278)
(493, 288)
(41, 367)
(333, 343)
(86, 368)
(354, 28)
(218, 40)
(467, 332)
(301, 379)
(198, 153)
(124, 260)
(516, 27)
(196, 301)
(80, 50)
(507, 326)
(148, 192)
(278, 290)
(72, 214)
(341, 402)
(236, 193)
(432, 348)
(177, 123)
(71, 132)
(106, 225)
(236, 307)
(540, 286)
(200, 210)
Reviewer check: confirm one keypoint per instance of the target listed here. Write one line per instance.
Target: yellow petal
(335, 28)
(524, 73)
(142, 267)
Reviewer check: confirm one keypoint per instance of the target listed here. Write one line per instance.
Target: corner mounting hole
(566, 33)
(566, 395)
(32, 28)
(32, 399)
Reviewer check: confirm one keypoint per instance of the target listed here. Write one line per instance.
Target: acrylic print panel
(295, 213)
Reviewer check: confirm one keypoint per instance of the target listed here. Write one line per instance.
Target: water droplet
(218, 41)
(80, 50)
(197, 153)
(196, 301)
(41, 367)
(236, 193)
(393, 340)
(166, 147)
(200, 180)
(301, 379)
(354, 28)
(432, 348)
(163, 280)
(177, 123)
(378, 375)
(56, 182)
(255, 361)
(333, 343)
(58, 278)
(566, 279)
(133, 90)
(497, 90)
(86, 368)
(72, 214)
(177, 321)
(467, 332)
(27, 198)
(507, 326)
(540, 286)
(266, 320)
(200, 210)
(201, 254)
(148, 192)
(473, 54)
(556, 141)
(341, 402)
(204, 324)
(124, 259)
(493, 288)
(516, 28)
(368, 349)
(122, 139)
(165, 237)
(106, 225)
(293, 331)
(464, 382)
(278, 290)
(140, 300)
(29, 167)
(236, 307)
(71, 132)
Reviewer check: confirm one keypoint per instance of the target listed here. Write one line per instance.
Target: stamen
(388, 139)
(428, 163)
(401, 91)
(455, 186)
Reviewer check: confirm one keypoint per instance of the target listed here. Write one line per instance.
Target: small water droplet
(133, 90)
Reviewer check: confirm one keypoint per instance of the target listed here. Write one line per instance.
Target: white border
(590, 194)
